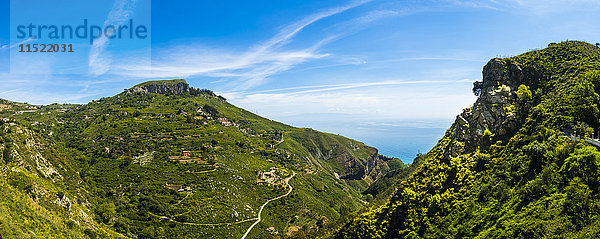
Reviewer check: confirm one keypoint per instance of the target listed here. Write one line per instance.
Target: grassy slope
(533, 184)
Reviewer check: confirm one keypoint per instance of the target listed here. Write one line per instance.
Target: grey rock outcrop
(370, 169)
(493, 113)
(174, 87)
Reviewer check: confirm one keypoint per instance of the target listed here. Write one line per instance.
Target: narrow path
(280, 141)
(201, 172)
(202, 224)
(218, 224)
(287, 181)
(186, 196)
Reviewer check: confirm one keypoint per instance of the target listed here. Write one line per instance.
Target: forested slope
(505, 168)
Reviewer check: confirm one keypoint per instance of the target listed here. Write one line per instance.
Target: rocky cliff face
(355, 169)
(493, 113)
(376, 166)
(174, 87)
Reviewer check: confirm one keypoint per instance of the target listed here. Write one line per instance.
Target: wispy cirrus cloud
(99, 59)
(18, 43)
(42, 89)
(244, 69)
(334, 87)
(291, 30)
(489, 4)
(260, 62)
(389, 98)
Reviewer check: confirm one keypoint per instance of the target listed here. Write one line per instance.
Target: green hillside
(507, 167)
(41, 190)
(163, 159)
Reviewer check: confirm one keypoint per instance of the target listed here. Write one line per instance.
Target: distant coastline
(402, 139)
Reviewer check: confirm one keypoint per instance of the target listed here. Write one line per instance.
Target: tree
(106, 211)
(524, 100)
(584, 163)
(210, 110)
(582, 129)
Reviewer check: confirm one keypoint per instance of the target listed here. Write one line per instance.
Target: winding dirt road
(259, 218)
(287, 181)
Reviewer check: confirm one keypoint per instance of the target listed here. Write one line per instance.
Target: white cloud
(489, 4)
(19, 43)
(245, 69)
(194, 59)
(37, 97)
(99, 59)
(291, 30)
(376, 100)
(336, 87)
(33, 88)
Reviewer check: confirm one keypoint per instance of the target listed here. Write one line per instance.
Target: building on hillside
(271, 230)
(224, 121)
(269, 178)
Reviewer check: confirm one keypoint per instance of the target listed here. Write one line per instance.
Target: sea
(402, 139)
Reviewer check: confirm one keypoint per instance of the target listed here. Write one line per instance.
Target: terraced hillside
(163, 159)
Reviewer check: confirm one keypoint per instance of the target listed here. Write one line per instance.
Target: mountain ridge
(504, 168)
(167, 87)
(163, 156)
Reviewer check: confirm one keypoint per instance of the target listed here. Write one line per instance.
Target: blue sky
(4, 36)
(349, 67)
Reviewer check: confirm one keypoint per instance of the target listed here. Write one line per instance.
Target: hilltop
(163, 159)
(506, 168)
(167, 87)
